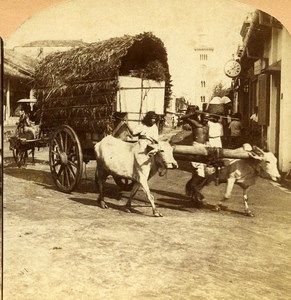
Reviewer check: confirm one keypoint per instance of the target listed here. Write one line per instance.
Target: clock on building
(232, 68)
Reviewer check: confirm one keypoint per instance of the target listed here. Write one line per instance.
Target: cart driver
(24, 124)
(148, 129)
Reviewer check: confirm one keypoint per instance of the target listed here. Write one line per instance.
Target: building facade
(203, 62)
(264, 83)
(17, 83)
(40, 49)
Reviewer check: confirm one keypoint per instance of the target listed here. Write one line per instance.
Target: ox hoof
(198, 203)
(128, 209)
(103, 205)
(222, 206)
(217, 208)
(157, 214)
(249, 214)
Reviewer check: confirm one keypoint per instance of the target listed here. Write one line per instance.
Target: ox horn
(255, 155)
(247, 147)
(258, 151)
(151, 149)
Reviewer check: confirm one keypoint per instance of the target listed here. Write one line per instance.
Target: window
(203, 83)
(202, 99)
(203, 57)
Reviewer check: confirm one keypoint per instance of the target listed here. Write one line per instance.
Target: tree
(181, 104)
(220, 90)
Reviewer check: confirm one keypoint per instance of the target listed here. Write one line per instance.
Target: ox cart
(22, 142)
(22, 145)
(84, 93)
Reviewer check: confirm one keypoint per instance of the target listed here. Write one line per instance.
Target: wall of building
(285, 104)
(274, 112)
(269, 81)
(203, 80)
(276, 45)
(273, 53)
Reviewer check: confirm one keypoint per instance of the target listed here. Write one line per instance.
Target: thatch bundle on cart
(79, 87)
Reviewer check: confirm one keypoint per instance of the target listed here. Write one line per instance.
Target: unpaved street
(63, 246)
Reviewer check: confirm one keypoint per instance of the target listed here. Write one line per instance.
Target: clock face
(232, 68)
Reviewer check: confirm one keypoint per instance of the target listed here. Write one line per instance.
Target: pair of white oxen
(140, 161)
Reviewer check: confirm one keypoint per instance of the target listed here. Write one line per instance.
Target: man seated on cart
(148, 129)
(24, 125)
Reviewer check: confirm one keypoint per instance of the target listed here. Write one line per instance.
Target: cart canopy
(80, 87)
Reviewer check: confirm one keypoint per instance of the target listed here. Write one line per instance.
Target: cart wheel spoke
(57, 143)
(56, 164)
(54, 156)
(67, 175)
(65, 180)
(61, 141)
(66, 143)
(71, 170)
(70, 145)
(59, 173)
(62, 179)
(57, 153)
(71, 163)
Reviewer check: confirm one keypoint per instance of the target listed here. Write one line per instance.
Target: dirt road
(63, 246)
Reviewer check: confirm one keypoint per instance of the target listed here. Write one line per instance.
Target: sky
(177, 23)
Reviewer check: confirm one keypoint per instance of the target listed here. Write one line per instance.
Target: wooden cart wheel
(20, 157)
(124, 183)
(65, 158)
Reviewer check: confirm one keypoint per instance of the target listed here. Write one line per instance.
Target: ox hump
(111, 143)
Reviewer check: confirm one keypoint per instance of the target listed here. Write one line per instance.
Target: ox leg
(247, 210)
(132, 194)
(150, 197)
(32, 154)
(229, 188)
(100, 174)
(227, 195)
(25, 158)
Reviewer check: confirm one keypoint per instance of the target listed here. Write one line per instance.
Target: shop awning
(275, 67)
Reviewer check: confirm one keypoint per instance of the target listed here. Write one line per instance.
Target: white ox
(136, 161)
(243, 172)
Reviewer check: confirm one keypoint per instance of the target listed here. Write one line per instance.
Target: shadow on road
(89, 202)
(9, 162)
(37, 176)
(181, 202)
(110, 205)
(174, 197)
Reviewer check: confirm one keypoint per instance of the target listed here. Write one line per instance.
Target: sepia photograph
(145, 149)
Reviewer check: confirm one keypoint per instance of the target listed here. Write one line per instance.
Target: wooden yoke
(215, 115)
(202, 153)
(200, 112)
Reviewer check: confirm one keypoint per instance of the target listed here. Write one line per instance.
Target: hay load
(79, 87)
